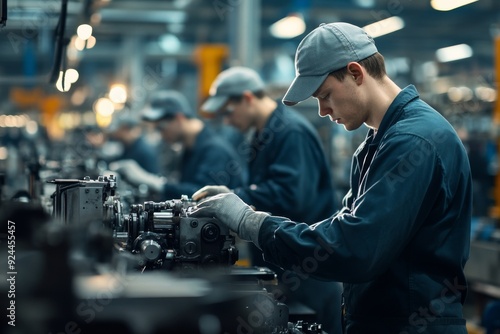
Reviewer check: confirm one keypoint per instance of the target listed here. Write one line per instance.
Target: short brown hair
(374, 65)
(237, 98)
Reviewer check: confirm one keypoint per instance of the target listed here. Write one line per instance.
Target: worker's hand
(208, 191)
(131, 171)
(231, 211)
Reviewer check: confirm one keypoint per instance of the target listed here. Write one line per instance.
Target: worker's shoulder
(287, 120)
(423, 121)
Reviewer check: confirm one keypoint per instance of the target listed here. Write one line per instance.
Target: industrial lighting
(446, 5)
(365, 3)
(452, 53)
(91, 42)
(79, 44)
(63, 86)
(385, 26)
(84, 31)
(486, 94)
(151, 16)
(4, 153)
(72, 75)
(104, 107)
(289, 27)
(169, 43)
(118, 93)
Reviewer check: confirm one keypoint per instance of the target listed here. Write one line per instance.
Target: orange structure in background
(48, 106)
(209, 58)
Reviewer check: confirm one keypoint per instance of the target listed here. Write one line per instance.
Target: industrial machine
(98, 264)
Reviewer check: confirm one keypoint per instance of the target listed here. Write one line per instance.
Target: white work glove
(231, 211)
(208, 191)
(131, 171)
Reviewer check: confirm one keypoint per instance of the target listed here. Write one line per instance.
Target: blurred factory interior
(69, 67)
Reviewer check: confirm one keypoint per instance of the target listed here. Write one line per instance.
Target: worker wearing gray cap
(401, 240)
(288, 174)
(206, 158)
(126, 129)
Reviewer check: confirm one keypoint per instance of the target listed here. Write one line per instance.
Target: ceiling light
(446, 5)
(118, 93)
(72, 75)
(486, 94)
(452, 53)
(63, 85)
(91, 42)
(365, 3)
(84, 31)
(144, 15)
(104, 107)
(79, 44)
(289, 27)
(169, 43)
(385, 26)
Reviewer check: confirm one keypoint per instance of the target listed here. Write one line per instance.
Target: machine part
(162, 234)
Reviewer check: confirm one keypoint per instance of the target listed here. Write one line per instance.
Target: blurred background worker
(288, 174)
(205, 159)
(127, 130)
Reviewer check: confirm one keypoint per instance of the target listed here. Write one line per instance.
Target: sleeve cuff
(250, 227)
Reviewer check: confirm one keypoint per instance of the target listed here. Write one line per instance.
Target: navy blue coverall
(144, 153)
(211, 161)
(401, 240)
(289, 176)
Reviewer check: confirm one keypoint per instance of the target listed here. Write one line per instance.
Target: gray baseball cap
(125, 119)
(232, 82)
(326, 49)
(166, 104)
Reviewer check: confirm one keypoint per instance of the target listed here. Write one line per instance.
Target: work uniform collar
(394, 112)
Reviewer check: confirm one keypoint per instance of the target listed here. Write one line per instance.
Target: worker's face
(239, 114)
(170, 130)
(342, 102)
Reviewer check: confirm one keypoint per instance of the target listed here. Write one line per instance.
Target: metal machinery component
(87, 269)
(161, 233)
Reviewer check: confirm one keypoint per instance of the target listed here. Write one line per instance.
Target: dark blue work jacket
(211, 161)
(144, 153)
(401, 240)
(288, 172)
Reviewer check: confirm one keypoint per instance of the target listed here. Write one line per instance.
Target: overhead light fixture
(288, 27)
(385, 26)
(365, 3)
(143, 15)
(454, 52)
(65, 79)
(446, 5)
(91, 42)
(118, 93)
(169, 43)
(104, 107)
(84, 31)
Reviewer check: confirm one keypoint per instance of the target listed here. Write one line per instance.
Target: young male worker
(288, 175)
(401, 239)
(205, 155)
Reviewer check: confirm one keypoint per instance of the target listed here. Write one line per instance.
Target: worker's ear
(355, 72)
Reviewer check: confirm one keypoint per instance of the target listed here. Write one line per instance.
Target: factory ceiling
(172, 29)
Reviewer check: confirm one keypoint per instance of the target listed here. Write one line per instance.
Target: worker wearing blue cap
(205, 159)
(127, 130)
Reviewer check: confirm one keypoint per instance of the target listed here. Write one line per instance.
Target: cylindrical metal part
(150, 250)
